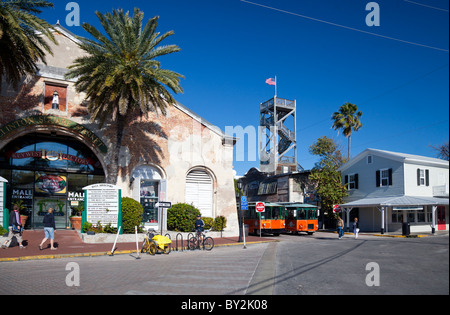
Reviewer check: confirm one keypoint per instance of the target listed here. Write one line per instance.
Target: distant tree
(22, 38)
(326, 176)
(347, 119)
(443, 151)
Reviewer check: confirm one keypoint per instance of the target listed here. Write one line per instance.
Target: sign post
(162, 205)
(260, 207)
(244, 206)
(102, 204)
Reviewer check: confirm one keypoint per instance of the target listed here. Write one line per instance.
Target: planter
(75, 222)
(23, 219)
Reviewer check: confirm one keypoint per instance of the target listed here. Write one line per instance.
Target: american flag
(271, 81)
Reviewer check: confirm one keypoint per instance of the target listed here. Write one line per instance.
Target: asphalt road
(318, 264)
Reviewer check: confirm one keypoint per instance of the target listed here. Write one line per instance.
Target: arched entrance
(48, 170)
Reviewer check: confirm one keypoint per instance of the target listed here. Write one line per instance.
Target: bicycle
(151, 245)
(207, 244)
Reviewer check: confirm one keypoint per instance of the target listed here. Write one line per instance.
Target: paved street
(319, 264)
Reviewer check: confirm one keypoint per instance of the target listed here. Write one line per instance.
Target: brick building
(50, 150)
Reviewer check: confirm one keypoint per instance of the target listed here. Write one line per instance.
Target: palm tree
(120, 74)
(347, 119)
(21, 40)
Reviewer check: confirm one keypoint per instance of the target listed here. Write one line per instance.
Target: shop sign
(22, 194)
(75, 196)
(51, 155)
(53, 121)
(102, 204)
(53, 184)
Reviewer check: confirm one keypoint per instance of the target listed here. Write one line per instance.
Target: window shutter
(356, 181)
(378, 178)
(418, 177)
(390, 177)
(427, 177)
(346, 181)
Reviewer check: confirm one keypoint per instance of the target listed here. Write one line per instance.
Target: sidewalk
(69, 244)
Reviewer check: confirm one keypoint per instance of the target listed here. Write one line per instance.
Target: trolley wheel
(153, 249)
(208, 243)
(167, 249)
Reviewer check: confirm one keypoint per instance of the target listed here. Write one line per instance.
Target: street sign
(244, 203)
(164, 204)
(260, 207)
(336, 208)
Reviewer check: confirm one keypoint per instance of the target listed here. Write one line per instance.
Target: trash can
(406, 229)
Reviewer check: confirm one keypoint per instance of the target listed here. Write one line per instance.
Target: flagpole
(276, 86)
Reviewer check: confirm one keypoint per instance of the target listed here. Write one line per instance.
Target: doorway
(441, 220)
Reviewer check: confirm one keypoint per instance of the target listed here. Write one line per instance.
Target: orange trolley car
(272, 219)
(301, 217)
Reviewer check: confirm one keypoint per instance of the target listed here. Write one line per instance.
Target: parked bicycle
(154, 243)
(201, 241)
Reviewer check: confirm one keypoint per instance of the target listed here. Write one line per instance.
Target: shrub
(209, 223)
(220, 223)
(181, 217)
(131, 214)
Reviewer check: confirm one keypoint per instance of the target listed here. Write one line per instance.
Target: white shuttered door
(199, 191)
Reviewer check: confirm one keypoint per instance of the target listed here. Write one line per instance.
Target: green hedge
(181, 217)
(132, 212)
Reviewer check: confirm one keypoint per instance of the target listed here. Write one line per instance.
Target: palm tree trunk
(349, 144)
(115, 155)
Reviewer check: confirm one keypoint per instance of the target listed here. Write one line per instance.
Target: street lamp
(239, 186)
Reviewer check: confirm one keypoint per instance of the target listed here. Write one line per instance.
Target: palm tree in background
(347, 119)
(21, 42)
(120, 75)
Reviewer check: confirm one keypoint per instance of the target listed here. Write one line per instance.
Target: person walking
(340, 227)
(14, 221)
(356, 227)
(49, 229)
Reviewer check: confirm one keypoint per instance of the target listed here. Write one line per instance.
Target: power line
(425, 5)
(345, 27)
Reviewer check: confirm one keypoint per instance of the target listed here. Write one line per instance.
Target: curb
(95, 254)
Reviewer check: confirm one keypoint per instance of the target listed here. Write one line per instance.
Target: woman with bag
(15, 228)
(49, 229)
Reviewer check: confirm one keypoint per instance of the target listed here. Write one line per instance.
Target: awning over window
(396, 201)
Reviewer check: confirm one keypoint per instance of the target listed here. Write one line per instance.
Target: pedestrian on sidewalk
(340, 227)
(14, 221)
(49, 229)
(356, 227)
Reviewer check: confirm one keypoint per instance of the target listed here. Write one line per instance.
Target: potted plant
(75, 218)
(22, 211)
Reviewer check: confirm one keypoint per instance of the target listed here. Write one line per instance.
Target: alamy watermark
(373, 18)
(373, 277)
(73, 277)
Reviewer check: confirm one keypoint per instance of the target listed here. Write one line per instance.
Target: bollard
(115, 241)
(176, 242)
(137, 246)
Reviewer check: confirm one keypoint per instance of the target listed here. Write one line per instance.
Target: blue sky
(230, 47)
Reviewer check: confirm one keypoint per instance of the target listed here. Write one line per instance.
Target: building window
(353, 181)
(423, 177)
(384, 177)
(199, 191)
(369, 159)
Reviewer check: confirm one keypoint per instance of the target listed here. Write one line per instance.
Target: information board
(102, 203)
(4, 217)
